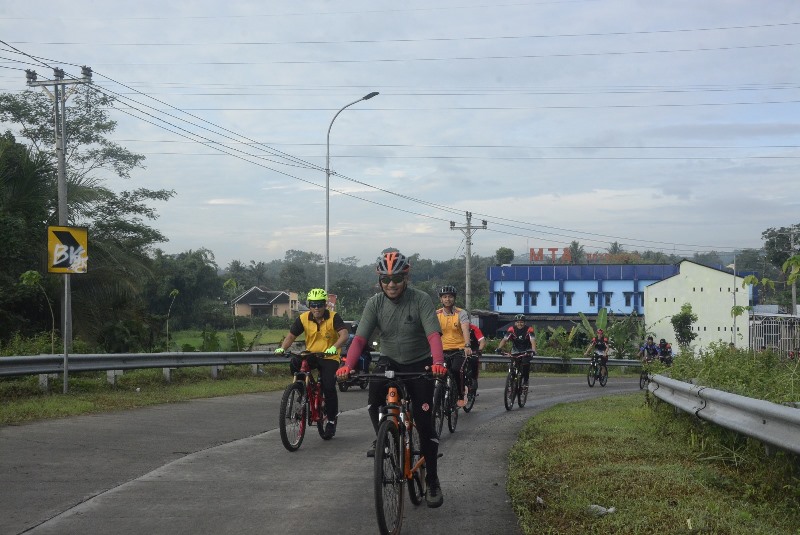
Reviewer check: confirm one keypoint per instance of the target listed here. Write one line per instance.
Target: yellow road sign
(67, 249)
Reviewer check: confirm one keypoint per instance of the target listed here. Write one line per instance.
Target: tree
(258, 272)
(231, 287)
(504, 255)
(615, 248)
(577, 253)
(682, 324)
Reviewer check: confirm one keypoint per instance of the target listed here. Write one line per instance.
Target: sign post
(67, 253)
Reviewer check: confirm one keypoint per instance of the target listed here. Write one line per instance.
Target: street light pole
(328, 185)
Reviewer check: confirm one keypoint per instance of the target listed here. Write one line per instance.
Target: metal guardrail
(49, 364)
(772, 424)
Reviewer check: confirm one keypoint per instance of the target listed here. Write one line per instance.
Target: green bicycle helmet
(317, 294)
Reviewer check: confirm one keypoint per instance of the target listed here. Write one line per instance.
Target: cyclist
(599, 343)
(454, 324)
(649, 349)
(410, 342)
(326, 333)
(665, 352)
(523, 338)
(476, 342)
(365, 360)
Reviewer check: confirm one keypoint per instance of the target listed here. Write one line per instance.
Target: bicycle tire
(510, 392)
(452, 402)
(603, 375)
(643, 380)
(343, 386)
(292, 417)
(416, 486)
(590, 377)
(438, 408)
(522, 392)
(323, 420)
(389, 478)
(472, 390)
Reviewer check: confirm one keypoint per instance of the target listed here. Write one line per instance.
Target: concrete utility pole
(59, 96)
(468, 231)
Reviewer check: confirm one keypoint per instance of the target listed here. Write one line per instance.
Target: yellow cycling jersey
(320, 337)
(452, 335)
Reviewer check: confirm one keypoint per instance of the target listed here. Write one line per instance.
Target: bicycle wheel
(472, 391)
(451, 393)
(603, 375)
(416, 486)
(438, 408)
(591, 376)
(511, 391)
(389, 478)
(292, 421)
(522, 392)
(323, 420)
(643, 380)
(343, 386)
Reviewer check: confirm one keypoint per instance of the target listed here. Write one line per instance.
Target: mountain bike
(302, 404)
(597, 371)
(398, 459)
(356, 379)
(644, 375)
(445, 400)
(470, 382)
(515, 390)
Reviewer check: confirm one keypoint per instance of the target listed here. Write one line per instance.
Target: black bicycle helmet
(444, 290)
(392, 262)
(519, 317)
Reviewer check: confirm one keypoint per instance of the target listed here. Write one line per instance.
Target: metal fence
(778, 332)
(773, 424)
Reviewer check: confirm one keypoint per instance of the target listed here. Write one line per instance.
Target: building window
(608, 298)
(553, 298)
(498, 297)
(534, 295)
(568, 296)
(628, 297)
(592, 298)
(518, 296)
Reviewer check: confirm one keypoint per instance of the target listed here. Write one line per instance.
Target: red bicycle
(302, 404)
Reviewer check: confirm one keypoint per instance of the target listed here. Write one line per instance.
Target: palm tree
(577, 253)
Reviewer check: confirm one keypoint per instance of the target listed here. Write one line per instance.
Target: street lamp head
(373, 94)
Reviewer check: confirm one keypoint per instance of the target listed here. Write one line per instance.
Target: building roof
(256, 296)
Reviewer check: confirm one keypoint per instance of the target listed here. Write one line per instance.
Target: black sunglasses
(316, 305)
(397, 279)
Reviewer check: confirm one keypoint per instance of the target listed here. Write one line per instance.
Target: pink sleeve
(354, 352)
(437, 350)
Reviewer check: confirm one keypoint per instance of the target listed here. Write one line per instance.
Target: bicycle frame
(313, 391)
(397, 409)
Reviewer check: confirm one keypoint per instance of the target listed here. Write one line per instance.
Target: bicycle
(515, 390)
(470, 382)
(357, 379)
(302, 404)
(445, 401)
(644, 375)
(398, 458)
(597, 371)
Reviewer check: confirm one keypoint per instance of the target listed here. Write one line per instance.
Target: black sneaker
(371, 450)
(434, 496)
(330, 429)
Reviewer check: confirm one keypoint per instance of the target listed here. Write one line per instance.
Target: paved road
(218, 466)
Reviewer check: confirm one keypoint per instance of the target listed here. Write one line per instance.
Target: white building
(712, 294)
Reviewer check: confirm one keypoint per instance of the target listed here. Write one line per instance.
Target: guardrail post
(215, 371)
(255, 369)
(167, 374)
(44, 382)
(111, 376)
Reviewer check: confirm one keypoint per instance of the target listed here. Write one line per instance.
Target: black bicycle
(515, 389)
(445, 401)
(644, 375)
(597, 370)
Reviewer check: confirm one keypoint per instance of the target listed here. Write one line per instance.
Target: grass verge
(649, 465)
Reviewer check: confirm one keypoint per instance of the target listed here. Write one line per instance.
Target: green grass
(195, 338)
(645, 462)
(89, 392)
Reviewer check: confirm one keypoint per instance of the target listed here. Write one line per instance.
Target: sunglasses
(397, 279)
(316, 305)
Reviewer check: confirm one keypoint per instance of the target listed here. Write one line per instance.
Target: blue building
(550, 291)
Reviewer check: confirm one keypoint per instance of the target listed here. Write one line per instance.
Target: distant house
(260, 302)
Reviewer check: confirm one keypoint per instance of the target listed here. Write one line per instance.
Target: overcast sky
(671, 126)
